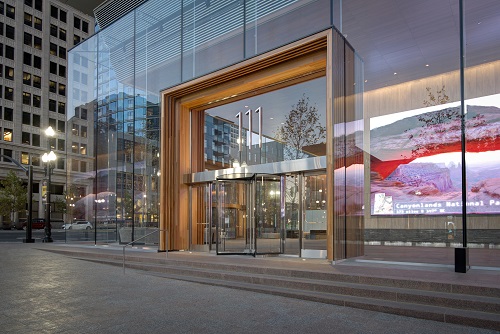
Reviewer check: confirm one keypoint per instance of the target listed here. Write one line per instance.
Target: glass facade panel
(281, 137)
(212, 36)
(481, 101)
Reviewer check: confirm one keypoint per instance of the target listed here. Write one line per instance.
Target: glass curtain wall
(481, 98)
(420, 173)
(115, 92)
(81, 103)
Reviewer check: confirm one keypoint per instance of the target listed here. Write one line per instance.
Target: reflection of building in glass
(35, 37)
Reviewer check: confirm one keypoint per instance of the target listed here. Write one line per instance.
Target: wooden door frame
(299, 61)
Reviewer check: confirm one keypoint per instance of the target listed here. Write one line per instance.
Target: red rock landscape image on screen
(416, 160)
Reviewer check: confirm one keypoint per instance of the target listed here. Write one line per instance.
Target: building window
(27, 39)
(35, 140)
(62, 15)
(53, 30)
(37, 81)
(36, 120)
(62, 89)
(62, 34)
(9, 73)
(75, 130)
(61, 126)
(10, 12)
(27, 78)
(35, 161)
(25, 158)
(83, 149)
(76, 39)
(9, 52)
(62, 71)
(83, 166)
(7, 153)
(52, 105)
(27, 59)
(53, 12)
(53, 49)
(28, 19)
(61, 164)
(28, 3)
(85, 27)
(53, 123)
(37, 43)
(52, 86)
(10, 32)
(37, 62)
(83, 114)
(9, 93)
(74, 165)
(61, 145)
(76, 23)
(61, 108)
(83, 131)
(38, 23)
(7, 135)
(1, 50)
(37, 101)
(26, 138)
(53, 68)
(38, 5)
(62, 52)
(52, 143)
(27, 98)
(8, 114)
(26, 118)
(74, 147)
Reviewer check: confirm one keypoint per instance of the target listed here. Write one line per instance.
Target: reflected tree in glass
(302, 129)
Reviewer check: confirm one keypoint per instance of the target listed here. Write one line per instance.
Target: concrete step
(454, 303)
(463, 289)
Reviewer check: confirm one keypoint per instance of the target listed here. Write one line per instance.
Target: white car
(78, 225)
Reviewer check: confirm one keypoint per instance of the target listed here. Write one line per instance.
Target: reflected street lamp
(48, 159)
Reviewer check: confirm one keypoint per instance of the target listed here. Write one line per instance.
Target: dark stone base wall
(433, 236)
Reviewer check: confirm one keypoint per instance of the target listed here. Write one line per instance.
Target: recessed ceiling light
(426, 65)
(366, 80)
(479, 22)
(395, 73)
(271, 118)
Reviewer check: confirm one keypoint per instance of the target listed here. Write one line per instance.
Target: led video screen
(416, 160)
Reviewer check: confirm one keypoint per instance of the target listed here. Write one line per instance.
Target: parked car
(38, 223)
(20, 224)
(78, 225)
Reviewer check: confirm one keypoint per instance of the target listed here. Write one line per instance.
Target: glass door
(292, 220)
(268, 214)
(235, 230)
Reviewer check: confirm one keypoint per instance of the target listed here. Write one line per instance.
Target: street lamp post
(48, 158)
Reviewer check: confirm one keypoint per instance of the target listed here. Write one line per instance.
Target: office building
(311, 128)
(35, 36)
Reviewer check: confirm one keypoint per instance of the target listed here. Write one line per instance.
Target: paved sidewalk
(44, 292)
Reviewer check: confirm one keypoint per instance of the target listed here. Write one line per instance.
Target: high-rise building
(35, 36)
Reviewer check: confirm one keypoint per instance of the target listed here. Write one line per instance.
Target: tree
(13, 196)
(302, 127)
(439, 116)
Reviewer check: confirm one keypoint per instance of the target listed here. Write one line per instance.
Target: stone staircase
(461, 304)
